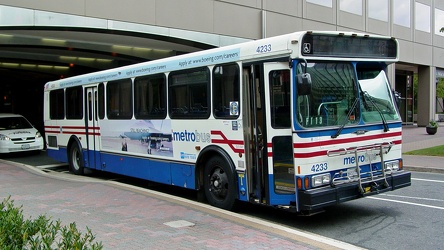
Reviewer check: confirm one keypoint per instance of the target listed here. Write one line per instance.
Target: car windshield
(8, 123)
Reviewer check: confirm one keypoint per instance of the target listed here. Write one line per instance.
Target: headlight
(391, 166)
(320, 180)
(4, 138)
(38, 135)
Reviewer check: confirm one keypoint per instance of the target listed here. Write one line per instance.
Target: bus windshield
(331, 96)
(376, 101)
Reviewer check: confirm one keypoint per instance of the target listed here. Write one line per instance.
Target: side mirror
(303, 84)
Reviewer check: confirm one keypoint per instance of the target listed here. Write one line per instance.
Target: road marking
(405, 202)
(410, 197)
(417, 179)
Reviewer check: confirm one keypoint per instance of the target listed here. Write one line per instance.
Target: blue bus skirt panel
(315, 199)
(172, 173)
(283, 199)
(59, 155)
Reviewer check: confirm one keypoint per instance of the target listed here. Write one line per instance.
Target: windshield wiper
(366, 94)
(347, 118)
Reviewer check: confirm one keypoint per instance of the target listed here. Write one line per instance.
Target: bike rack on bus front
(355, 175)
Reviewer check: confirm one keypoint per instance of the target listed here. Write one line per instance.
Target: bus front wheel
(219, 184)
(75, 159)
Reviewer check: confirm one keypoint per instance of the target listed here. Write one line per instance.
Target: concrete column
(391, 74)
(426, 95)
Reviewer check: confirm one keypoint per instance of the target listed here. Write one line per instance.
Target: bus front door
(253, 134)
(92, 128)
(267, 132)
(280, 173)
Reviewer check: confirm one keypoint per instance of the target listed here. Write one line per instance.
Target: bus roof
(289, 45)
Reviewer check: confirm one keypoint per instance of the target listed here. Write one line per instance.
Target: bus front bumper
(318, 198)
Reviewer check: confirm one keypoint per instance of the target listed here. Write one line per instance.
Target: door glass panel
(280, 98)
(283, 164)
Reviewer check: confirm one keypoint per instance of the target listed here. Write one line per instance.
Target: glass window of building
(422, 17)
(351, 6)
(401, 14)
(326, 3)
(439, 21)
(378, 9)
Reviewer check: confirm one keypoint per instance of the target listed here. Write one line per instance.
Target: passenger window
(57, 104)
(150, 97)
(101, 100)
(119, 101)
(226, 87)
(189, 94)
(74, 103)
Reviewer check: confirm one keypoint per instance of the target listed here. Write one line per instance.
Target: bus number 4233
(263, 48)
(319, 167)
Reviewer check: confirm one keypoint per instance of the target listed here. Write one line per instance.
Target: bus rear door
(92, 128)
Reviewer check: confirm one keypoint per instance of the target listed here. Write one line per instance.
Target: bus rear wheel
(75, 160)
(219, 184)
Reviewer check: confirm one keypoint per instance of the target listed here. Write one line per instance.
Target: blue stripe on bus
(176, 174)
(346, 130)
(171, 173)
(280, 198)
(58, 155)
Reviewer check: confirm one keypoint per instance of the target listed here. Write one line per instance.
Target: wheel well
(73, 140)
(204, 156)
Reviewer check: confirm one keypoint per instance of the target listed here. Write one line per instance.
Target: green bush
(41, 233)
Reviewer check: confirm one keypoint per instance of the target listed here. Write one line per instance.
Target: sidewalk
(127, 217)
(413, 138)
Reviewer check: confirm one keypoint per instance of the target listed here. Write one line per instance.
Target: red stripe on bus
(225, 140)
(346, 140)
(80, 133)
(74, 130)
(57, 127)
(79, 127)
(323, 152)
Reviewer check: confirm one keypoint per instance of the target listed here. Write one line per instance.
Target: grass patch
(433, 151)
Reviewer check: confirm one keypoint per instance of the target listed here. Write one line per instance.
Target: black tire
(219, 184)
(75, 159)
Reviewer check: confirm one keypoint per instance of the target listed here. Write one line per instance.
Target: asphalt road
(409, 218)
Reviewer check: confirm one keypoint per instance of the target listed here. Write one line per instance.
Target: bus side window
(150, 97)
(189, 94)
(74, 103)
(57, 104)
(119, 101)
(101, 101)
(226, 91)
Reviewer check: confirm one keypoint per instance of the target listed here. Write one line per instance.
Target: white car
(18, 135)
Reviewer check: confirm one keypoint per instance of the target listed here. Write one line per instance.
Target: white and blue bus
(299, 121)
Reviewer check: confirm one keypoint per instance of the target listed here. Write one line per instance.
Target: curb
(424, 169)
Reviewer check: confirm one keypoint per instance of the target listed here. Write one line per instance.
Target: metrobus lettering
(352, 159)
(191, 136)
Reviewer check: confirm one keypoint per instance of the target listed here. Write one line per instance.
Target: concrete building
(45, 40)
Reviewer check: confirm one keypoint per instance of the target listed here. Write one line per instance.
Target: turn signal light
(299, 183)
